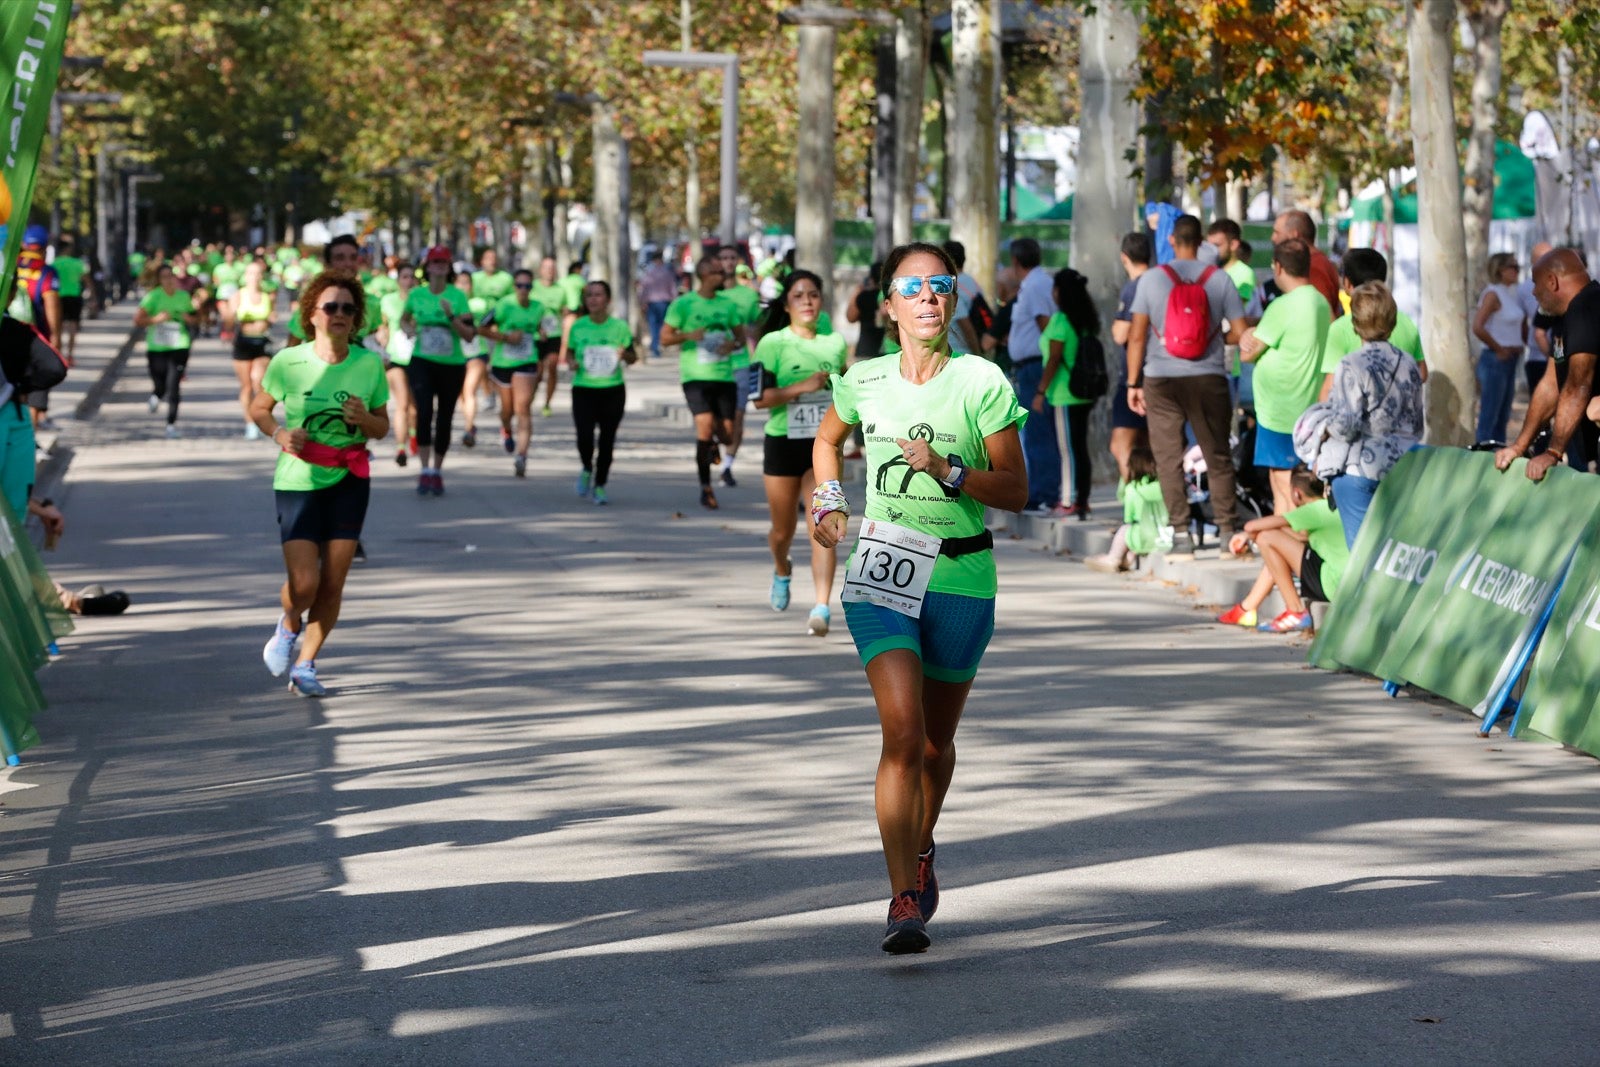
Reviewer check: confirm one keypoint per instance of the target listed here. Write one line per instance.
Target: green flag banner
(1454, 570)
(32, 36)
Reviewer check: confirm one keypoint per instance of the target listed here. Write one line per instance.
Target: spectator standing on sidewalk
(1029, 315)
(1286, 346)
(658, 288)
(1076, 322)
(1502, 325)
(1297, 225)
(1360, 266)
(1537, 360)
(966, 329)
(1374, 409)
(1173, 392)
(866, 310)
(1128, 430)
(38, 300)
(1572, 300)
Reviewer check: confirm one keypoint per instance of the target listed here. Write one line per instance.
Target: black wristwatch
(958, 472)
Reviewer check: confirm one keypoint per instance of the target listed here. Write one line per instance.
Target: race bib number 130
(891, 567)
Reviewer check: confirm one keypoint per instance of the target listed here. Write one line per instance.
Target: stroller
(1252, 487)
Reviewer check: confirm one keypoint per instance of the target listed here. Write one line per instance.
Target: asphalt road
(580, 797)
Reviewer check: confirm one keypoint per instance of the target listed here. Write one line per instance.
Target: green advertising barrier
(1561, 702)
(1453, 573)
(31, 619)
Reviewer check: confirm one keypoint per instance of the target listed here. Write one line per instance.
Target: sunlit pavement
(580, 797)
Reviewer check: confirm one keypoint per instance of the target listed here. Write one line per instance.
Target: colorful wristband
(828, 497)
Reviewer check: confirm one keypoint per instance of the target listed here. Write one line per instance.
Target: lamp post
(728, 63)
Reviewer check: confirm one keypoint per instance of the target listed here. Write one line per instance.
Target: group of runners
(382, 351)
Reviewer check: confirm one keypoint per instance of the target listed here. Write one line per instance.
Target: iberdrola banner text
(1459, 572)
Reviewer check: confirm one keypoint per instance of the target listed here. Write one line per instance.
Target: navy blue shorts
(949, 638)
(335, 513)
(1122, 416)
(1275, 450)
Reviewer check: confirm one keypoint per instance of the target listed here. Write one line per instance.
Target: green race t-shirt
(572, 288)
(482, 312)
(393, 305)
(492, 287)
(225, 278)
(1244, 279)
(71, 270)
(1288, 374)
(313, 394)
(1342, 340)
(597, 350)
(1326, 533)
(1059, 329)
(553, 299)
(382, 285)
(437, 342)
(173, 334)
(511, 315)
(786, 359)
(718, 316)
(967, 401)
(749, 303)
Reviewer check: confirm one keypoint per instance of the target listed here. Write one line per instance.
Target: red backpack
(1187, 332)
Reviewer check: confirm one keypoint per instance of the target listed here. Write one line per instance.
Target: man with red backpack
(1184, 313)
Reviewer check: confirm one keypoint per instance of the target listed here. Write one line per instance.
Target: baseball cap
(35, 236)
(438, 254)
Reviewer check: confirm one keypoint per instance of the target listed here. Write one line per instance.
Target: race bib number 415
(891, 567)
(805, 414)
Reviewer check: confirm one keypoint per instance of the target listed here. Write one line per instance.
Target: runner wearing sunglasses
(333, 395)
(941, 445)
(438, 317)
(514, 366)
(708, 328)
(790, 375)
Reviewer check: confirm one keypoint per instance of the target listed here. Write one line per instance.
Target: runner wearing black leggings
(600, 345)
(438, 317)
(166, 314)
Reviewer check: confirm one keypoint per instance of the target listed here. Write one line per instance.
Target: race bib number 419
(891, 567)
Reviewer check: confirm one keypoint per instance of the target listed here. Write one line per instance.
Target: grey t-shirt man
(1150, 299)
(1034, 301)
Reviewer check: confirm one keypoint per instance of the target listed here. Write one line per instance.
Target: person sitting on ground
(1145, 525)
(1374, 410)
(1307, 543)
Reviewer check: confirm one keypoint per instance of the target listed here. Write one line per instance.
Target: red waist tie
(353, 458)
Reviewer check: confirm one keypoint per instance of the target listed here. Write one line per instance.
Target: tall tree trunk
(814, 176)
(691, 148)
(974, 147)
(911, 62)
(1105, 204)
(610, 251)
(1443, 242)
(1485, 17)
(885, 130)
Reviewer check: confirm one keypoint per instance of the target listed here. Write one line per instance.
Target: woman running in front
(167, 313)
(438, 317)
(333, 395)
(600, 345)
(794, 365)
(250, 313)
(942, 443)
(514, 366)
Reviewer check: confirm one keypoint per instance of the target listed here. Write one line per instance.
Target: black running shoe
(727, 479)
(708, 499)
(907, 932)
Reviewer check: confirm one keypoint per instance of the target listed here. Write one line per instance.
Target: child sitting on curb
(1307, 543)
(1145, 527)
